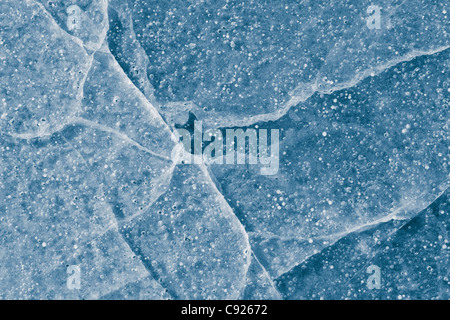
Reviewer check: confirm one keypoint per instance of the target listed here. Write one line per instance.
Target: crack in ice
(364, 227)
(314, 88)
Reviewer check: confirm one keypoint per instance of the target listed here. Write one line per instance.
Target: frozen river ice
(98, 201)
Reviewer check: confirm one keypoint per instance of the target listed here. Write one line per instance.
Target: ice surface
(91, 92)
(246, 61)
(43, 70)
(414, 251)
(384, 156)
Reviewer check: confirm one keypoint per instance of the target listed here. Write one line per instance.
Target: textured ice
(91, 94)
(414, 251)
(384, 156)
(244, 61)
